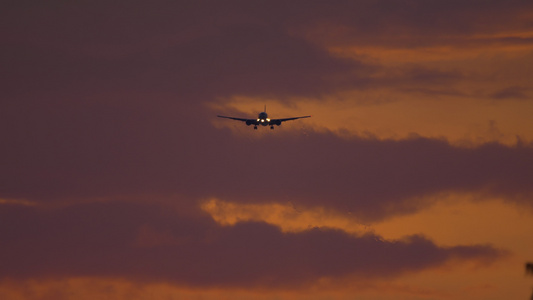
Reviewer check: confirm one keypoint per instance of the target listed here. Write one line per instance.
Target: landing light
(262, 120)
(268, 120)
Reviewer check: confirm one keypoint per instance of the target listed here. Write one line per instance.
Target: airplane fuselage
(262, 119)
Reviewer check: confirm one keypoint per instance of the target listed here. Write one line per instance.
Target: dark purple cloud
(99, 152)
(512, 92)
(102, 239)
(208, 48)
(194, 51)
(411, 24)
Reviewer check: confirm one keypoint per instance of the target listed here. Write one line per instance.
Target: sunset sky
(413, 179)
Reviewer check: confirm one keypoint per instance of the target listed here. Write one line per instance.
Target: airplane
(262, 119)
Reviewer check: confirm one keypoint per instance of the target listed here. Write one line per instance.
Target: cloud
(221, 52)
(199, 51)
(95, 152)
(512, 92)
(416, 23)
(102, 239)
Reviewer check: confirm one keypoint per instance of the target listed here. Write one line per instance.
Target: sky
(413, 179)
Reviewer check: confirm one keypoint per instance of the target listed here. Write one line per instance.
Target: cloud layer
(149, 243)
(370, 178)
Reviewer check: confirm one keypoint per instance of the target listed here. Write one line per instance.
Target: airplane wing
(278, 121)
(247, 121)
(270, 122)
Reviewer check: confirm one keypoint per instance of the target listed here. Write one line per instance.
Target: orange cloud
(453, 219)
(385, 114)
(18, 202)
(286, 216)
(86, 288)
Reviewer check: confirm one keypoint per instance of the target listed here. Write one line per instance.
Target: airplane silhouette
(262, 119)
